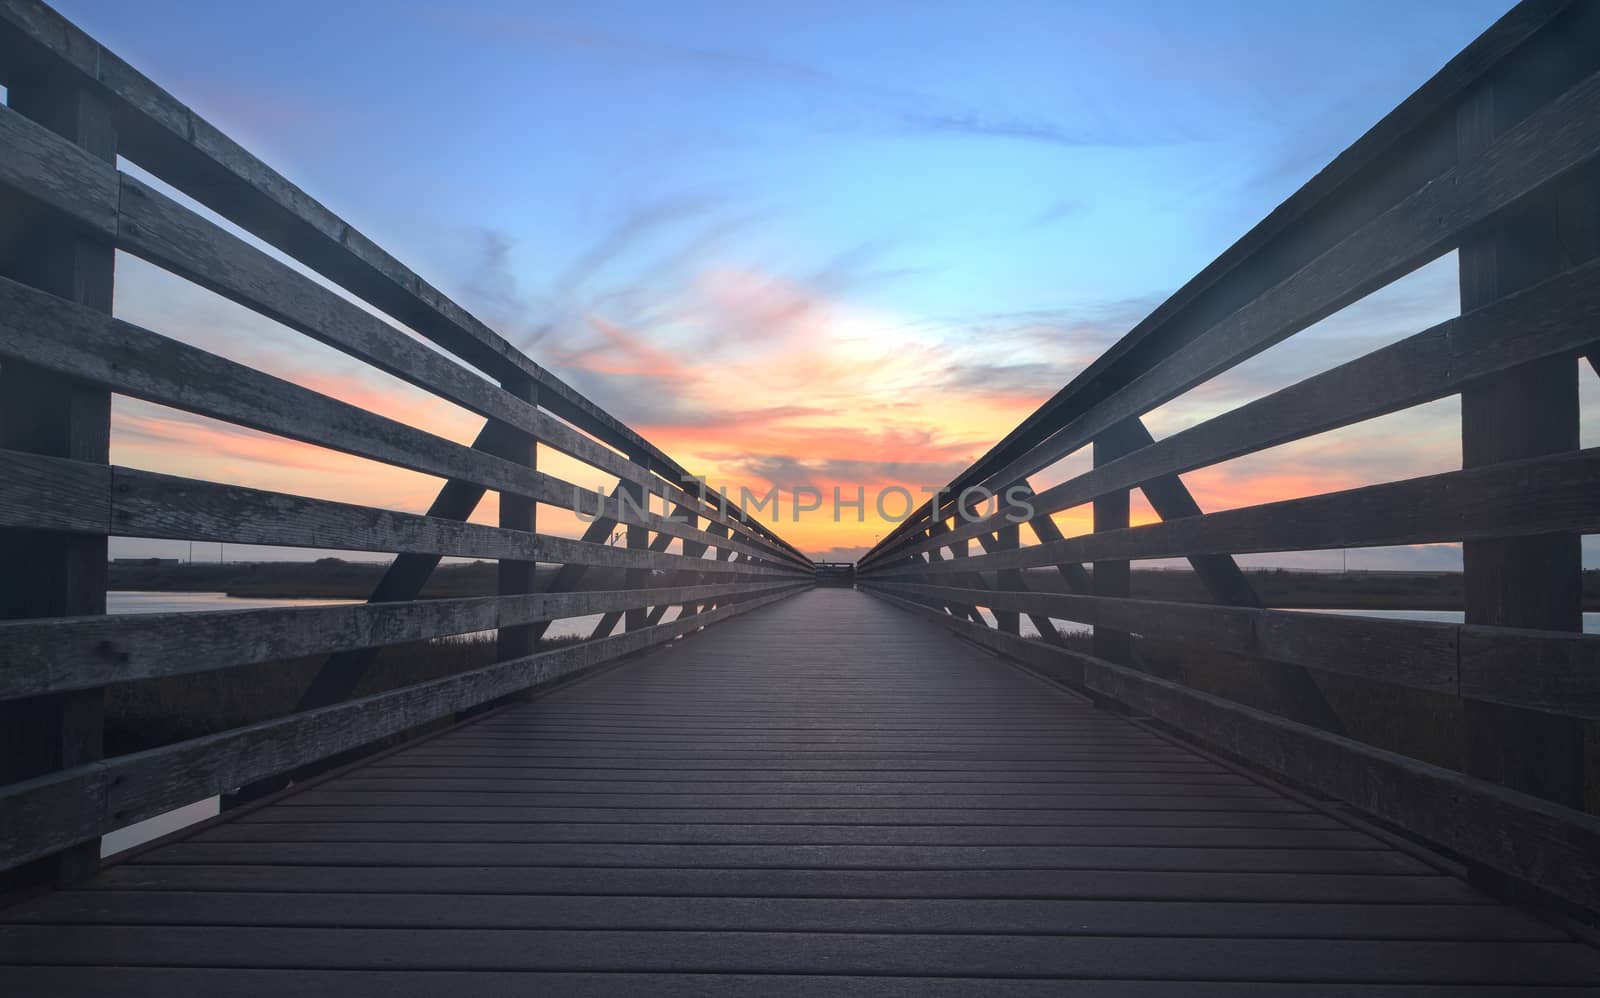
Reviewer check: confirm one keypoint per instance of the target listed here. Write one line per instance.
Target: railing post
(1527, 412)
(519, 513)
(1111, 578)
(638, 540)
(1008, 538)
(42, 413)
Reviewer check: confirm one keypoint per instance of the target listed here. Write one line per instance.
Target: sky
(841, 245)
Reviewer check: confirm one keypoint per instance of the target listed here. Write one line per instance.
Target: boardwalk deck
(822, 797)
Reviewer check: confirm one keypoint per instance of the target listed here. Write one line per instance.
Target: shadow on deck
(825, 793)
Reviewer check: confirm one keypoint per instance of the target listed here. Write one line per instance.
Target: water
(132, 601)
(1591, 621)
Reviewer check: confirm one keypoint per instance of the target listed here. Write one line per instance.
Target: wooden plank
(1531, 962)
(1535, 670)
(72, 805)
(515, 578)
(151, 505)
(52, 655)
(1553, 847)
(1111, 577)
(1527, 411)
(84, 344)
(818, 857)
(402, 582)
(1417, 654)
(44, 493)
(938, 915)
(58, 173)
(169, 235)
(1536, 496)
(1090, 884)
(158, 982)
(183, 149)
(157, 228)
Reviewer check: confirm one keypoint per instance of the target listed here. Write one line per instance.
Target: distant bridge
(928, 790)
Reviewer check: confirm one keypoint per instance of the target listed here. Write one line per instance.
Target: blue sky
(963, 203)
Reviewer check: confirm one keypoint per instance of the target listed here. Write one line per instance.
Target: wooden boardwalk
(823, 797)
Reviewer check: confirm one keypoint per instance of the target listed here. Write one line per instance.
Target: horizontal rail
(145, 504)
(1545, 844)
(56, 654)
(164, 136)
(58, 335)
(73, 805)
(1559, 317)
(1515, 498)
(150, 225)
(1551, 671)
(56, 665)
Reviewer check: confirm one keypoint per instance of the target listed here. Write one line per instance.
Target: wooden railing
(73, 109)
(1494, 158)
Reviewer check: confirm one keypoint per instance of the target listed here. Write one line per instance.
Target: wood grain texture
(1535, 496)
(74, 804)
(1543, 843)
(823, 789)
(52, 655)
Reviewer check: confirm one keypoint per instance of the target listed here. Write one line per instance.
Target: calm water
(129, 601)
(1591, 621)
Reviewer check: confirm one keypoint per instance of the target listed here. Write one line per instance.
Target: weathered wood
(171, 141)
(1524, 412)
(1539, 495)
(57, 574)
(561, 848)
(58, 172)
(62, 808)
(1417, 654)
(1559, 317)
(51, 494)
(637, 539)
(145, 504)
(58, 654)
(1554, 847)
(84, 344)
(518, 513)
(1112, 577)
(402, 581)
(1535, 670)
(162, 231)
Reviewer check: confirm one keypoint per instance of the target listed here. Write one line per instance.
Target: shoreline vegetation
(333, 578)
